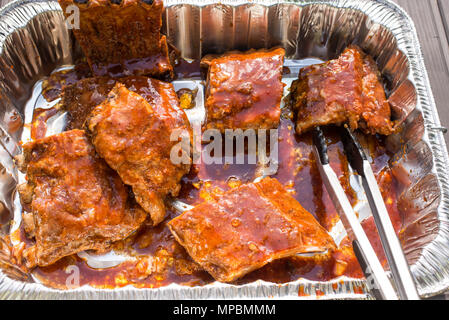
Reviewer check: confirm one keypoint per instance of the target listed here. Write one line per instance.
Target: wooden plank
(4, 2)
(444, 12)
(431, 32)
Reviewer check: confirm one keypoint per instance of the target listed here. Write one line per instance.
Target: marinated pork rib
(344, 90)
(121, 38)
(244, 90)
(53, 85)
(81, 98)
(247, 228)
(133, 136)
(76, 201)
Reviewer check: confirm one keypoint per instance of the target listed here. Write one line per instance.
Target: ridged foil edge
(432, 268)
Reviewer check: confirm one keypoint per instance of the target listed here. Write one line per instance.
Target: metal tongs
(368, 259)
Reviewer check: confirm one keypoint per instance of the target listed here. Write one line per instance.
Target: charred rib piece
(133, 136)
(82, 97)
(76, 201)
(250, 226)
(344, 90)
(122, 39)
(244, 90)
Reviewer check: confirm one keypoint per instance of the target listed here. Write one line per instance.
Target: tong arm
(390, 242)
(350, 220)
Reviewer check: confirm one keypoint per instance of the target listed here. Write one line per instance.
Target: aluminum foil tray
(34, 41)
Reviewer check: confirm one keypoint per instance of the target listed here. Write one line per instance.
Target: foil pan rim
(18, 13)
(342, 288)
(8, 12)
(436, 140)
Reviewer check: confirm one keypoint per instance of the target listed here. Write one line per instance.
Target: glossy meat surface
(344, 90)
(122, 39)
(76, 201)
(247, 228)
(82, 97)
(244, 90)
(133, 136)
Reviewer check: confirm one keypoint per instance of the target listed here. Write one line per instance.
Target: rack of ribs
(121, 38)
(346, 90)
(133, 136)
(244, 90)
(248, 227)
(81, 98)
(73, 200)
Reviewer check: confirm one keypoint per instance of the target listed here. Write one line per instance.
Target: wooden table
(431, 19)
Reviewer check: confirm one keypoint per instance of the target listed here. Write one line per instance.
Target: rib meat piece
(76, 201)
(344, 90)
(133, 136)
(81, 98)
(247, 228)
(121, 39)
(244, 90)
(53, 85)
